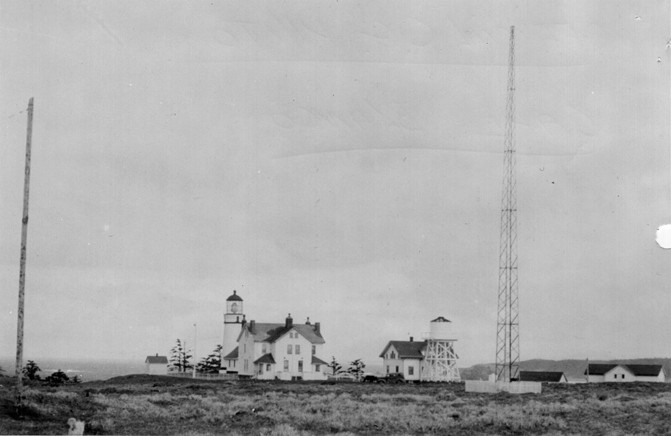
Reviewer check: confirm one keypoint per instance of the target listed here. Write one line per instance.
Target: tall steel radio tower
(507, 326)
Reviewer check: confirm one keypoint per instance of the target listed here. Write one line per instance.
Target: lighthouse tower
(233, 321)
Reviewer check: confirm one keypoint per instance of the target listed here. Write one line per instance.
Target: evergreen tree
(356, 368)
(335, 366)
(211, 363)
(180, 357)
(30, 370)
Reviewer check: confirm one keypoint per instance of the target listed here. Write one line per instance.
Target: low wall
(494, 387)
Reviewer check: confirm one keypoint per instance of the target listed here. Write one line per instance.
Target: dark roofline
(232, 355)
(266, 358)
(317, 361)
(542, 376)
(636, 369)
(396, 344)
(234, 297)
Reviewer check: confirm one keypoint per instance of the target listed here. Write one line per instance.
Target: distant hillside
(574, 369)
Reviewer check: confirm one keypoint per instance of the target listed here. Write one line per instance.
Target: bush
(58, 378)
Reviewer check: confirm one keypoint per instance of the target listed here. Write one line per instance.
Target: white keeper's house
(621, 373)
(268, 351)
(433, 359)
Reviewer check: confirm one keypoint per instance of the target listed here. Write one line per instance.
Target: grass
(161, 405)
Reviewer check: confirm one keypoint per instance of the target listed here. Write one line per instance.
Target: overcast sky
(339, 160)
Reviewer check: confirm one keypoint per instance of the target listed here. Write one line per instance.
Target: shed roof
(406, 349)
(232, 355)
(541, 376)
(266, 358)
(317, 361)
(160, 360)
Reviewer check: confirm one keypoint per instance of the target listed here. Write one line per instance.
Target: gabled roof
(541, 376)
(160, 360)
(232, 355)
(317, 361)
(266, 358)
(637, 370)
(645, 370)
(271, 332)
(599, 368)
(406, 349)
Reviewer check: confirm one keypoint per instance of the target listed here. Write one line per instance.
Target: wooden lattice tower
(440, 361)
(507, 330)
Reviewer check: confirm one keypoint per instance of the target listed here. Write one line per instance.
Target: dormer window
(392, 355)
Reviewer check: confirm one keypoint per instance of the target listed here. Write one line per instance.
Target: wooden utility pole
(22, 265)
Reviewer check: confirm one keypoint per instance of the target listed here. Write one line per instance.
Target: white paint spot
(664, 236)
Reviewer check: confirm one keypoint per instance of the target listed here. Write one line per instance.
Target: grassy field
(162, 405)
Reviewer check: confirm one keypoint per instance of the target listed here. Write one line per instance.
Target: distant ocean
(88, 370)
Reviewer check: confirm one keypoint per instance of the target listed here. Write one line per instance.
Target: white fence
(203, 376)
(494, 387)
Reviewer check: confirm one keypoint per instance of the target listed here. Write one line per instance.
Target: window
(289, 349)
(246, 364)
(387, 369)
(317, 366)
(392, 355)
(396, 368)
(411, 370)
(264, 348)
(244, 348)
(286, 365)
(267, 366)
(297, 349)
(614, 375)
(314, 350)
(622, 375)
(300, 366)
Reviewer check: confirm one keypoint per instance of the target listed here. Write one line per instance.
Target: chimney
(317, 325)
(251, 326)
(308, 321)
(289, 322)
(244, 321)
(156, 354)
(411, 338)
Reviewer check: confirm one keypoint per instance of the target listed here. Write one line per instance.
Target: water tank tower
(440, 361)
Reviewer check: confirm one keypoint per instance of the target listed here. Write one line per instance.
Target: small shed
(543, 376)
(156, 365)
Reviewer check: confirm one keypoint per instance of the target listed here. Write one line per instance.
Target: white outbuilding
(156, 365)
(621, 373)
